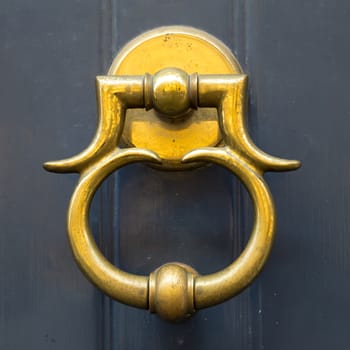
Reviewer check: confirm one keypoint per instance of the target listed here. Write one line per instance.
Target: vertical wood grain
(49, 58)
(298, 66)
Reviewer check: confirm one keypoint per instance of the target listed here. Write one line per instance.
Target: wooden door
(296, 54)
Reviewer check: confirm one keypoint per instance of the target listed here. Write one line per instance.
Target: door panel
(49, 58)
(296, 56)
(298, 64)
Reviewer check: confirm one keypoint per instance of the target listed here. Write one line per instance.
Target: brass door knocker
(178, 74)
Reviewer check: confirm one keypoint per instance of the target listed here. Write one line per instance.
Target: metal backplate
(186, 48)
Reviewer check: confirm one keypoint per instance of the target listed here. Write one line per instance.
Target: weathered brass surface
(174, 291)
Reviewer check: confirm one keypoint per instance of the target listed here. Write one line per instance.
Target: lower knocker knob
(171, 291)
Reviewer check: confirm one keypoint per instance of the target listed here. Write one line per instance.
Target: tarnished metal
(174, 291)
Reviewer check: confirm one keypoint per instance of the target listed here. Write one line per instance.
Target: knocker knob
(171, 291)
(171, 92)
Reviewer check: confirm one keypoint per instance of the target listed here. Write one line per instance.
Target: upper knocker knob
(172, 91)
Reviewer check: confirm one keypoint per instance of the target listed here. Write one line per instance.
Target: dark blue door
(296, 54)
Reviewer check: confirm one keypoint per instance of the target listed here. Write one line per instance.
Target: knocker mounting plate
(193, 51)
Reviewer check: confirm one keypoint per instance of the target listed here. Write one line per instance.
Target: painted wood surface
(296, 54)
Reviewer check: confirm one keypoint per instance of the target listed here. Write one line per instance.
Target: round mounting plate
(193, 51)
